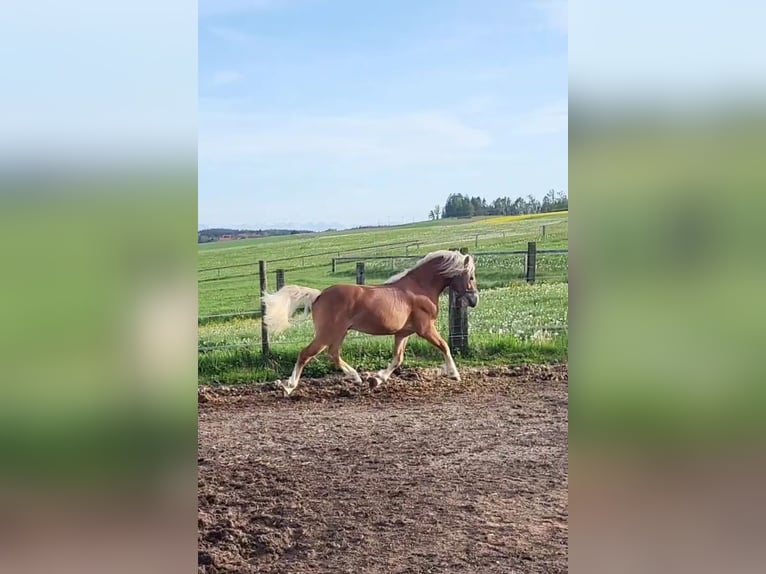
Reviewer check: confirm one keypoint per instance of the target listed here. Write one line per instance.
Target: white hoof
(447, 372)
(287, 387)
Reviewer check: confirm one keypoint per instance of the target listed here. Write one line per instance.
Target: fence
(310, 260)
(458, 337)
(302, 258)
(496, 269)
(530, 262)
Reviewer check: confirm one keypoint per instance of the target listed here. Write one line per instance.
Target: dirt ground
(422, 475)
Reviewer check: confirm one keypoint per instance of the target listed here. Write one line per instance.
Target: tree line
(219, 233)
(459, 205)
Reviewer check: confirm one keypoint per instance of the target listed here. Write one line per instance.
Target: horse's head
(465, 283)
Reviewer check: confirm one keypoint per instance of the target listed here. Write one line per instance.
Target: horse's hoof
(374, 382)
(286, 389)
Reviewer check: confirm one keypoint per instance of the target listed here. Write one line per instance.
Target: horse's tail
(281, 306)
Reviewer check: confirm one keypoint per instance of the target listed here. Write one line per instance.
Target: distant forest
(459, 205)
(222, 234)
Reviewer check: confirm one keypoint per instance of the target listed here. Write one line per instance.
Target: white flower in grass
(541, 336)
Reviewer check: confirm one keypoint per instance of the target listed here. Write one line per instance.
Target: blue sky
(320, 113)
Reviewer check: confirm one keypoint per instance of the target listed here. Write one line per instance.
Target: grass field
(514, 322)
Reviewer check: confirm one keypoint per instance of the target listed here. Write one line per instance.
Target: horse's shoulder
(424, 302)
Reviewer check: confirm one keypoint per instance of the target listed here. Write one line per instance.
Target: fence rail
(405, 244)
(461, 238)
(477, 254)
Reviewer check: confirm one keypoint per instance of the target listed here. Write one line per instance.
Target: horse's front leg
(431, 334)
(400, 343)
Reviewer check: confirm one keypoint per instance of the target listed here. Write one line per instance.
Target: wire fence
(494, 269)
(318, 258)
(527, 299)
(304, 256)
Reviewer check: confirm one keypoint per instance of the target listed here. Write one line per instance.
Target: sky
(337, 113)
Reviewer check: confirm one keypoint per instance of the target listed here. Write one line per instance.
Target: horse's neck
(425, 283)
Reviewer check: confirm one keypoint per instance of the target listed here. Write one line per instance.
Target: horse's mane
(452, 264)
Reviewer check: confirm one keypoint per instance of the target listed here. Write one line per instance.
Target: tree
(437, 211)
(548, 201)
(431, 215)
(459, 205)
(476, 206)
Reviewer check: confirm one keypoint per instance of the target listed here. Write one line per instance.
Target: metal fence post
(334, 265)
(264, 330)
(531, 261)
(280, 278)
(360, 272)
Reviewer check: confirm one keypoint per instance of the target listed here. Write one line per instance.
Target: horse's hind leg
(334, 352)
(400, 343)
(311, 351)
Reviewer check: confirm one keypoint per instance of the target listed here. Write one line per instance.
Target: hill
(228, 270)
(224, 234)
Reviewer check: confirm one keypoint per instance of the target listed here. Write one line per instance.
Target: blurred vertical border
(98, 207)
(667, 172)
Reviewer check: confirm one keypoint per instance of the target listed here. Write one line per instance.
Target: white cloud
(393, 139)
(226, 77)
(551, 119)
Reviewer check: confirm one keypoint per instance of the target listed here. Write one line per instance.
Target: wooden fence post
(531, 261)
(476, 243)
(360, 272)
(458, 319)
(264, 331)
(280, 278)
(334, 265)
(543, 232)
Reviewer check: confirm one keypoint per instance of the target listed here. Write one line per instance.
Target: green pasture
(307, 258)
(515, 322)
(520, 323)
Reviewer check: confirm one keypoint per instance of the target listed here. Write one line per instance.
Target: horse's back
(370, 309)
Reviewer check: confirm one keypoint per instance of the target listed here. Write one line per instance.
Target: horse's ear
(467, 260)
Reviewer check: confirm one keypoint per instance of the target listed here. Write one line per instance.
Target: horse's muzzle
(472, 297)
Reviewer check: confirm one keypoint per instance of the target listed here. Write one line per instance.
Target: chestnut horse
(406, 304)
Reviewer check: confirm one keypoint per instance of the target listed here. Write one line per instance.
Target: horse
(406, 304)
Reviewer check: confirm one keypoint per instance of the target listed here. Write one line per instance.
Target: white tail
(281, 306)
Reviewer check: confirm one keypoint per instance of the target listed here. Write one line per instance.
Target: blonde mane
(453, 264)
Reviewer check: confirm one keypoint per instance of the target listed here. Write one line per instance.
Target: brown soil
(422, 475)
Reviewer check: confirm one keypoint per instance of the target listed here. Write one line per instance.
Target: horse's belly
(378, 323)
